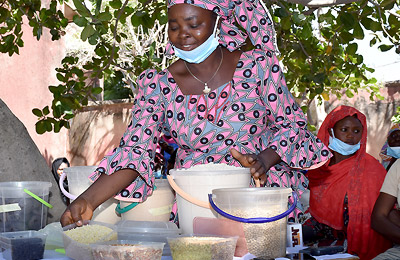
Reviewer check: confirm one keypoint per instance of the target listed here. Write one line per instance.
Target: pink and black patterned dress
(252, 112)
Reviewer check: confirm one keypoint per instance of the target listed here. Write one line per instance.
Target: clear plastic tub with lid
(22, 245)
(202, 247)
(127, 250)
(150, 231)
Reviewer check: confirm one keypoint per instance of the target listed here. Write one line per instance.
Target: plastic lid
(150, 227)
(16, 189)
(214, 169)
(256, 191)
(24, 185)
(8, 236)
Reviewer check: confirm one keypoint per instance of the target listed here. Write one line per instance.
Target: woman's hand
(77, 211)
(105, 187)
(257, 167)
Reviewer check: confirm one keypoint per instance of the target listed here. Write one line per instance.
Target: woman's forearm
(381, 218)
(107, 186)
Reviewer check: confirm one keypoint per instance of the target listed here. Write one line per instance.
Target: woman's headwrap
(383, 154)
(252, 15)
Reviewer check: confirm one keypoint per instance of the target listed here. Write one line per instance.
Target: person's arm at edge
(380, 221)
(101, 190)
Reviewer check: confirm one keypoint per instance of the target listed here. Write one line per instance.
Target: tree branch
(110, 59)
(381, 21)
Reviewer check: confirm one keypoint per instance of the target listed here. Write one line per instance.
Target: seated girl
(344, 190)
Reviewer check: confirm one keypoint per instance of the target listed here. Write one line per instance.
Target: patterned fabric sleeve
(296, 146)
(137, 147)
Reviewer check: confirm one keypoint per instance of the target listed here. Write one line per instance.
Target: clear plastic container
(127, 250)
(149, 231)
(78, 182)
(80, 249)
(202, 247)
(199, 183)
(266, 240)
(20, 210)
(22, 245)
(157, 207)
(54, 234)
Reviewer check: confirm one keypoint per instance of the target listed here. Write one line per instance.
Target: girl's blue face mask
(201, 52)
(393, 151)
(341, 147)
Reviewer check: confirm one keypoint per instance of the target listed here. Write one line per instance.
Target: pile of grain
(88, 234)
(267, 239)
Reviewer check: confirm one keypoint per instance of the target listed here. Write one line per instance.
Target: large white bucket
(78, 182)
(156, 207)
(197, 185)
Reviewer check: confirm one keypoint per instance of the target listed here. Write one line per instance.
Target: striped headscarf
(252, 15)
(383, 154)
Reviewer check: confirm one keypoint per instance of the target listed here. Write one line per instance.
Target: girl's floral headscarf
(383, 154)
(249, 14)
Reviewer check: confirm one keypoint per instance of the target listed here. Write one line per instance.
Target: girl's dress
(343, 195)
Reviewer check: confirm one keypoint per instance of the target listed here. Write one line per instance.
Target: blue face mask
(341, 147)
(200, 53)
(393, 151)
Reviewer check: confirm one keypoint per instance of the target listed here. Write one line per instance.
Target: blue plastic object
(253, 220)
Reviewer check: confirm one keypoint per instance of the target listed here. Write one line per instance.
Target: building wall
(378, 113)
(24, 81)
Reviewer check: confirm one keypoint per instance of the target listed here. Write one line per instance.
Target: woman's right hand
(105, 187)
(77, 211)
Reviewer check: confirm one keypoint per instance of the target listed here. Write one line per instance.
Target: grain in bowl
(77, 240)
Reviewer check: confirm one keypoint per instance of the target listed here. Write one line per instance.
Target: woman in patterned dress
(219, 104)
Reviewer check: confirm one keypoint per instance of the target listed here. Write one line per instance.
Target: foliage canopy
(318, 46)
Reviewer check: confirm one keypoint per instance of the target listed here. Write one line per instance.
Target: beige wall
(24, 81)
(96, 130)
(378, 113)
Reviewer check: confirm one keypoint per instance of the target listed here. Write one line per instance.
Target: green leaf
(358, 31)
(347, 20)
(4, 14)
(286, 23)
(37, 112)
(385, 47)
(68, 59)
(116, 4)
(351, 48)
(57, 127)
(48, 126)
(40, 127)
(80, 21)
(387, 4)
(81, 8)
(46, 110)
(105, 16)
(349, 93)
(60, 77)
(93, 39)
(136, 20)
(97, 90)
(87, 32)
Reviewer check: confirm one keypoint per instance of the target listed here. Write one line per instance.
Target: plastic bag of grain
(77, 240)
